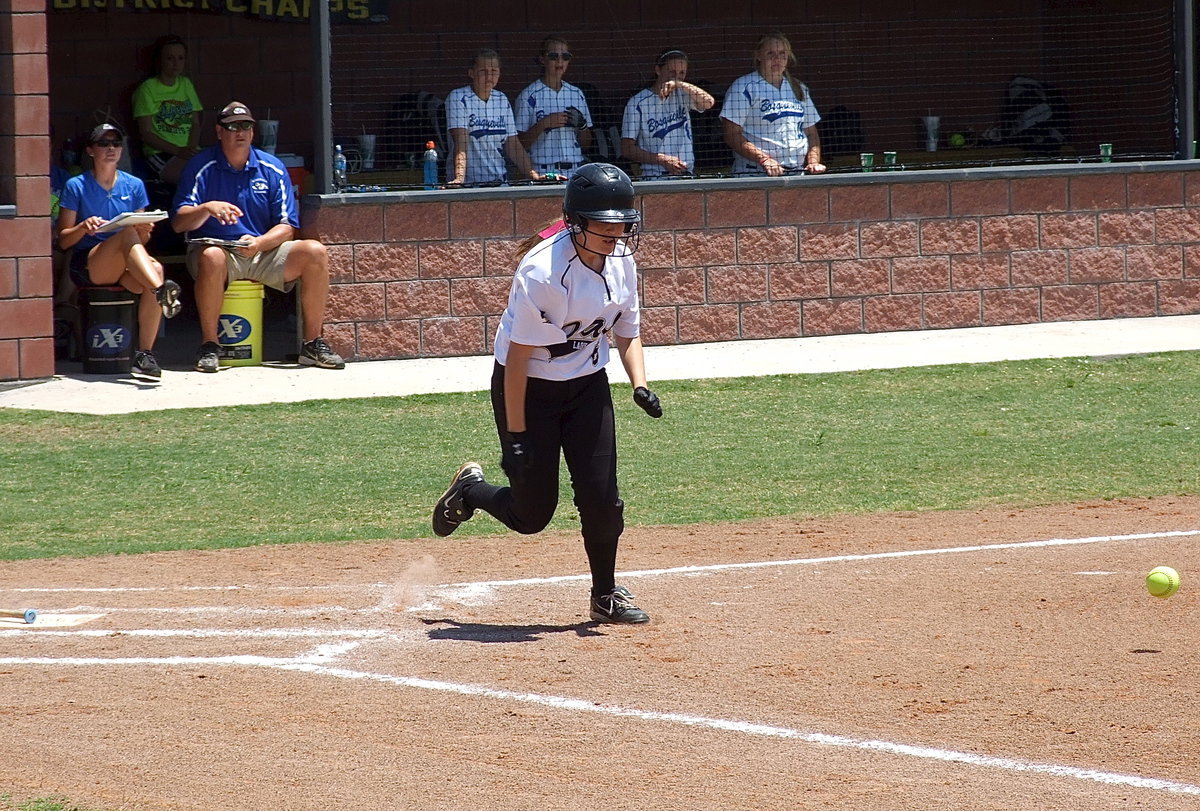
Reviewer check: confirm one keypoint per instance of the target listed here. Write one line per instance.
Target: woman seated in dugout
(115, 257)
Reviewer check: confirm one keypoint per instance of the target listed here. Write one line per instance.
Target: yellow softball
(1163, 581)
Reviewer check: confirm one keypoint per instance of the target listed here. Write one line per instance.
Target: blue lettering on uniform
(660, 128)
(774, 110)
(484, 123)
(259, 186)
(480, 127)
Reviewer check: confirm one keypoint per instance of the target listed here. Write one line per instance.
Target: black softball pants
(576, 418)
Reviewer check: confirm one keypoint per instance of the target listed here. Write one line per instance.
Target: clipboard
(231, 244)
(131, 218)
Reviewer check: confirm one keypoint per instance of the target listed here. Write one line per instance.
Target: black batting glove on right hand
(648, 401)
(514, 455)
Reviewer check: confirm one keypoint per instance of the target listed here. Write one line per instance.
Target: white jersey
(660, 125)
(488, 124)
(558, 145)
(567, 310)
(772, 118)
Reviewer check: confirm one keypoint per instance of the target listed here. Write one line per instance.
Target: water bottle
(339, 168)
(431, 167)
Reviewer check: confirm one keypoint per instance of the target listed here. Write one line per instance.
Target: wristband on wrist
(763, 160)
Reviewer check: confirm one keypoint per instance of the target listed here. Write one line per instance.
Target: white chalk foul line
(173, 589)
(315, 663)
(541, 581)
(761, 730)
(319, 655)
(207, 633)
(226, 609)
(767, 564)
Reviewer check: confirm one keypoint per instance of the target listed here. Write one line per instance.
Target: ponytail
(798, 87)
(547, 231)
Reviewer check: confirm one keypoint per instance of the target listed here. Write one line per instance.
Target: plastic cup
(931, 123)
(1106, 153)
(889, 161)
(366, 149)
(867, 159)
(268, 128)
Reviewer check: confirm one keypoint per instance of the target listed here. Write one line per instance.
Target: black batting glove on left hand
(648, 401)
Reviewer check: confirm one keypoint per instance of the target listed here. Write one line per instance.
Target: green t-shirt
(171, 107)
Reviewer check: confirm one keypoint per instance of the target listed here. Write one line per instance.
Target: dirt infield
(993, 659)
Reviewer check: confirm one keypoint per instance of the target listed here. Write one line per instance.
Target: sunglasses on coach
(108, 144)
(556, 55)
(237, 126)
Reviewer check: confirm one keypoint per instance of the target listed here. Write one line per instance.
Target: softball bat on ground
(27, 614)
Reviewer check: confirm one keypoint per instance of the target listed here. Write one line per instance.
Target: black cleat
(168, 299)
(451, 510)
(617, 607)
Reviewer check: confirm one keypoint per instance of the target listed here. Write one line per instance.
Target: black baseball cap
(234, 111)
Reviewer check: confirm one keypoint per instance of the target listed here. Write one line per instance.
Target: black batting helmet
(600, 192)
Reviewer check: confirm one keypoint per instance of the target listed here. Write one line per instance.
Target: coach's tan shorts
(265, 268)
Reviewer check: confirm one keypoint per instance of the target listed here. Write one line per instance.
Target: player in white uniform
(482, 128)
(769, 119)
(575, 289)
(553, 119)
(656, 130)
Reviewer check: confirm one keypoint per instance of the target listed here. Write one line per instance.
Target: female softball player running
(575, 284)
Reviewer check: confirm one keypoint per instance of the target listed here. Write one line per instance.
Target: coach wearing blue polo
(233, 191)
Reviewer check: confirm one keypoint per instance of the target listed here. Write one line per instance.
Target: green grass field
(1019, 433)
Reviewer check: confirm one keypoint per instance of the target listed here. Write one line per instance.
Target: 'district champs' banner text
(363, 11)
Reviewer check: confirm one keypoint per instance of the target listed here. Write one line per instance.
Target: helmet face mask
(627, 244)
(601, 192)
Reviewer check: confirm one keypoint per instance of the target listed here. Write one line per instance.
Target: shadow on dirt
(484, 632)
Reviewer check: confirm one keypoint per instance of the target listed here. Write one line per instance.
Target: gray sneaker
(145, 366)
(208, 359)
(617, 607)
(451, 510)
(319, 353)
(168, 299)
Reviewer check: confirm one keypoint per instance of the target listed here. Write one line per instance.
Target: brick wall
(26, 281)
(427, 274)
